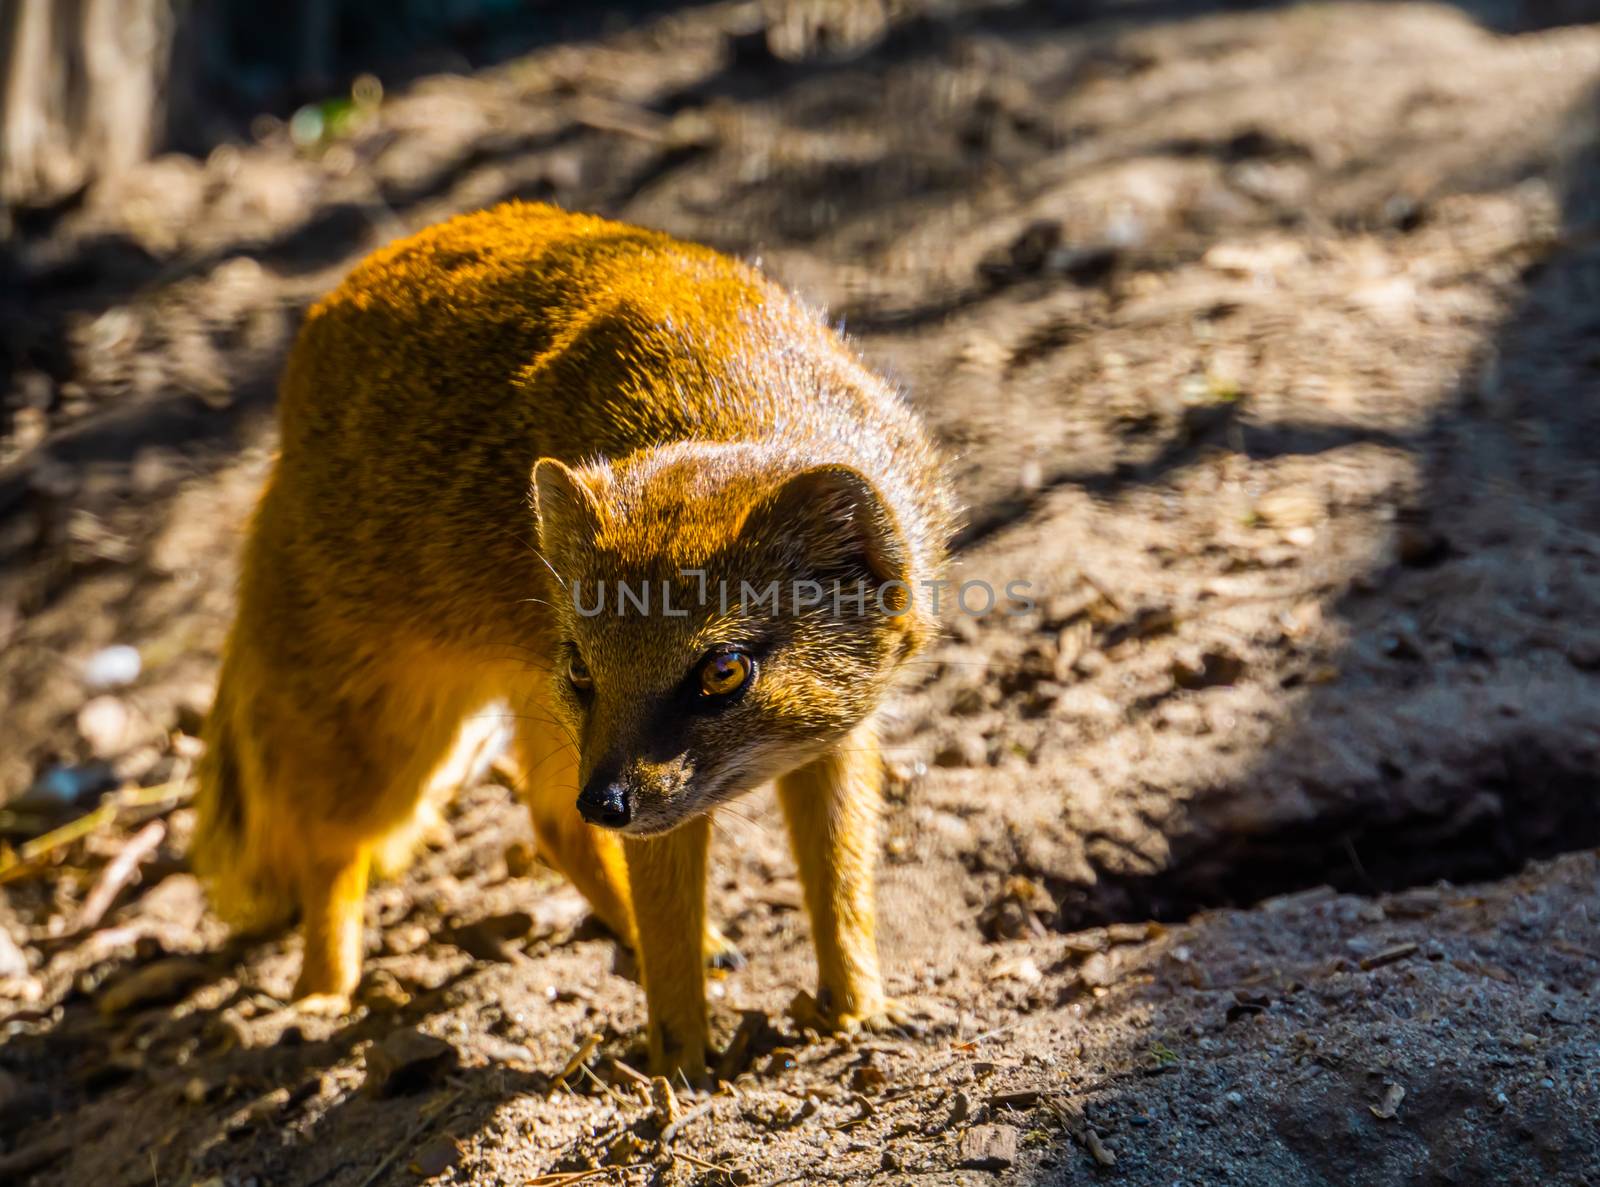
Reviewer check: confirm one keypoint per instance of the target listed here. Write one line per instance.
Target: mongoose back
(629, 488)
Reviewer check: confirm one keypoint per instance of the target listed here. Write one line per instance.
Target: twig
(562, 1178)
(579, 1057)
(693, 1114)
(119, 871)
(31, 854)
(602, 1085)
(702, 1163)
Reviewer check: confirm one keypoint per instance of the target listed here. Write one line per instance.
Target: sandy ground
(1262, 851)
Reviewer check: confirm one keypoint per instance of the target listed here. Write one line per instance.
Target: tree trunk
(82, 84)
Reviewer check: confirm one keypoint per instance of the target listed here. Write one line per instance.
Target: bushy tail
(232, 853)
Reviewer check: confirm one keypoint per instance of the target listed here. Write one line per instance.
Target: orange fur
(483, 420)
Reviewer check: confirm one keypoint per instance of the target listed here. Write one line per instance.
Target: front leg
(667, 875)
(831, 806)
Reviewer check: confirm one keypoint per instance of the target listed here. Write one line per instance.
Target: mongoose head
(726, 612)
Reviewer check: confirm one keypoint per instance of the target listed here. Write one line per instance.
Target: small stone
(408, 1061)
(13, 960)
(105, 723)
(967, 702)
(1098, 1150)
(405, 938)
(988, 1147)
(965, 750)
(382, 992)
(869, 1078)
(663, 1101)
(960, 1109)
(437, 1157)
(1389, 1107)
(782, 1059)
(112, 667)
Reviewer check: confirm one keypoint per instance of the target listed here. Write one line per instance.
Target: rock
(382, 993)
(967, 702)
(112, 667)
(663, 1102)
(1290, 507)
(105, 723)
(868, 1079)
(960, 1109)
(1389, 1107)
(437, 1157)
(964, 750)
(1098, 1150)
(988, 1147)
(408, 1061)
(13, 960)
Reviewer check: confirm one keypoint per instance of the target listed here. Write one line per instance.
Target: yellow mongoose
(600, 475)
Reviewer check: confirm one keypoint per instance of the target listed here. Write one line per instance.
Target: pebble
(965, 750)
(112, 667)
(104, 722)
(988, 1147)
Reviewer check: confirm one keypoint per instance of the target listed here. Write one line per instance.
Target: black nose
(605, 802)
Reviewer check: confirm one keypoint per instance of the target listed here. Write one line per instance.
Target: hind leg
(315, 762)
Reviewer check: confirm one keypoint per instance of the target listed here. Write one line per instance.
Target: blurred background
(1262, 338)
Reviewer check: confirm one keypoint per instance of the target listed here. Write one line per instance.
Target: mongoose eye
(578, 673)
(724, 673)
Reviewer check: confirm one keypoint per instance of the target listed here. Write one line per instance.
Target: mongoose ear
(841, 518)
(564, 508)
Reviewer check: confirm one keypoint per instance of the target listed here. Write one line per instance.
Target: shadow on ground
(1465, 686)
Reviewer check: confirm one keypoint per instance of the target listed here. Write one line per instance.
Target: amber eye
(578, 673)
(724, 673)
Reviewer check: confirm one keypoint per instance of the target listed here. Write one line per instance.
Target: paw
(872, 1013)
(323, 1005)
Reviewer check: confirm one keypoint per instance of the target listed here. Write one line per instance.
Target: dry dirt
(1262, 852)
